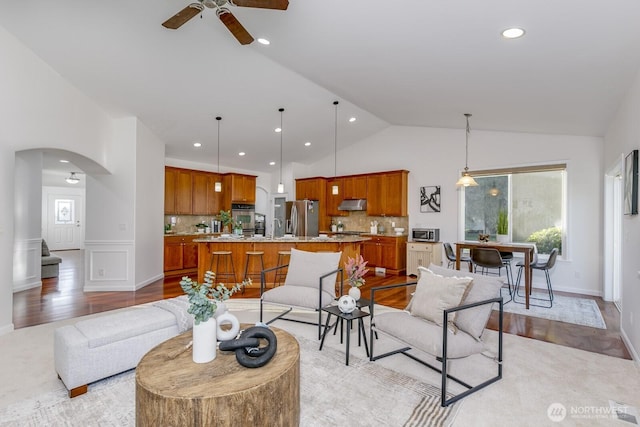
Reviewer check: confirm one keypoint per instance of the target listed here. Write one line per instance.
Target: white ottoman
(97, 348)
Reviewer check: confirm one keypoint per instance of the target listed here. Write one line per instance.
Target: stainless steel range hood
(353, 205)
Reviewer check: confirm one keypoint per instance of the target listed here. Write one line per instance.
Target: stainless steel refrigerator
(302, 218)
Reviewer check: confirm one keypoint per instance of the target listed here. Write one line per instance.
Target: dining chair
(451, 256)
(490, 259)
(543, 266)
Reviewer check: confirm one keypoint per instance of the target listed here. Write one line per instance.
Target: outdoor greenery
(547, 239)
(503, 222)
(203, 296)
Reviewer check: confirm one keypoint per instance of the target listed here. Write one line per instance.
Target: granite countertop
(335, 239)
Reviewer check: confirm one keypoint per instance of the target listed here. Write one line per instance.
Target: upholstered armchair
(445, 318)
(310, 284)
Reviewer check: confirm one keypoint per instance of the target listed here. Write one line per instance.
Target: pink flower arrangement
(356, 268)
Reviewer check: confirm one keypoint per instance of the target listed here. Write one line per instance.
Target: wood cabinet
(386, 252)
(355, 187)
(238, 188)
(180, 254)
(311, 188)
(205, 200)
(192, 192)
(387, 193)
(334, 200)
(177, 191)
(423, 254)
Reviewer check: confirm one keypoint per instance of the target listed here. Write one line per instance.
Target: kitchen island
(350, 246)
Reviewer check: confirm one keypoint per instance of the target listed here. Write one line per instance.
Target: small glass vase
(354, 293)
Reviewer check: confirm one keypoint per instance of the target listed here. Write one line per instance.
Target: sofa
(50, 263)
(99, 347)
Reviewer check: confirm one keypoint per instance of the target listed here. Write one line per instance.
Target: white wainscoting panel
(27, 264)
(109, 266)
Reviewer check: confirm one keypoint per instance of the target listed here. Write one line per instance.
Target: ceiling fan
(227, 18)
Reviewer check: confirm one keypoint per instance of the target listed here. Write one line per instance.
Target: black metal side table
(356, 314)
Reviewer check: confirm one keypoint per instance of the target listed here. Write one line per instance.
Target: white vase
(204, 341)
(227, 318)
(354, 293)
(502, 238)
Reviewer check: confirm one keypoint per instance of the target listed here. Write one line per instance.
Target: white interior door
(65, 222)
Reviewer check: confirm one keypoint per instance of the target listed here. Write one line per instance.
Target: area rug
(331, 393)
(579, 311)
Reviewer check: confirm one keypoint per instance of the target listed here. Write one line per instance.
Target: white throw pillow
(305, 269)
(435, 293)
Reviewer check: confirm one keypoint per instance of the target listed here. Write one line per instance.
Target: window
(531, 200)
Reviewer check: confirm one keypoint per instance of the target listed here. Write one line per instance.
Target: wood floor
(62, 298)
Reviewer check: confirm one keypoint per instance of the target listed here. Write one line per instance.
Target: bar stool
(281, 273)
(252, 272)
(226, 272)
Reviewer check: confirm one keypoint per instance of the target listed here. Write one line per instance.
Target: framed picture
(430, 199)
(631, 183)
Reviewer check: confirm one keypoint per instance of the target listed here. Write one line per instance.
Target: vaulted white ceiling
(414, 63)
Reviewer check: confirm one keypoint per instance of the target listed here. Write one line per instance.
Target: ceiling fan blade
(262, 4)
(235, 27)
(180, 18)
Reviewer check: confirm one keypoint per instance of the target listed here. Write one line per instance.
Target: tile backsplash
(359, 221)
(187, 223)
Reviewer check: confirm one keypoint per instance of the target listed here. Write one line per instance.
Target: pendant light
(335, 189)
(218, 185)
(467, 180)
(73, 179)
(281, 185)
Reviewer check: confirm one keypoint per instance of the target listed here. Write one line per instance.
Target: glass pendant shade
(280, 188)
(218, 187)
(466, 180)
(73, 179)
(334, 190)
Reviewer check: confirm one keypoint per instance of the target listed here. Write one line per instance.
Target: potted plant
(203, 302)
(225, 219)
(502, 226)
(355, 268)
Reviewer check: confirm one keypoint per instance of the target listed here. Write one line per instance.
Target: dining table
(525, 248)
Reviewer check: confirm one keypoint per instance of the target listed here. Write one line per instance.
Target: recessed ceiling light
(272, 163)
(352, 119)
(197, 144)
(513, 33)
(278, 130)
(242, 153)
(306, 144)
(264, 41)
(64, 161)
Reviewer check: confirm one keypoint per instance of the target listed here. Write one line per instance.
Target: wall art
(430, 198)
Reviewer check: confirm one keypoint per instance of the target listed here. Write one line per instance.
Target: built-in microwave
(425, 234)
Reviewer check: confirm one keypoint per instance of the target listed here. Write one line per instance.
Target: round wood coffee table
(176, 391)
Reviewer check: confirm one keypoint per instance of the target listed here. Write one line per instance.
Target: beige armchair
(310, 284)
(446, 319)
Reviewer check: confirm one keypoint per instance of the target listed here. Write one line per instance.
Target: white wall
(149, 207)
(622, 137)
(27, 211)
(435, 157)
(6, 237)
